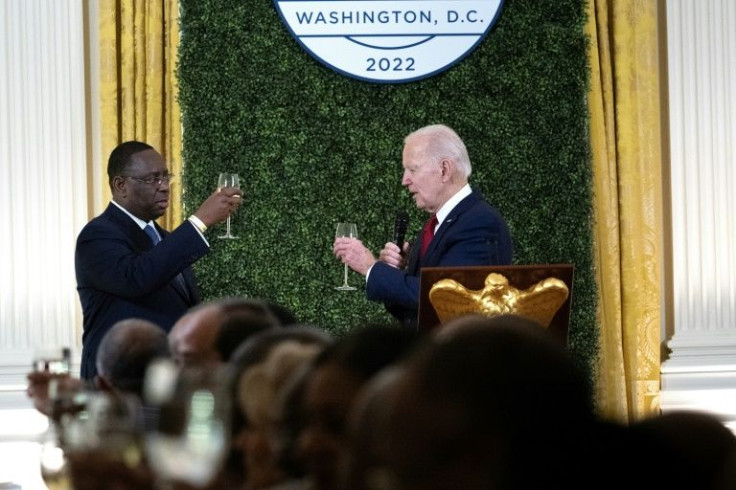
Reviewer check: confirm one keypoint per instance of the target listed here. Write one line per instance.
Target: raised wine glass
(346, 230)
(227, 179)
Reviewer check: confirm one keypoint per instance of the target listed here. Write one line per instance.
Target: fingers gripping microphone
(400, 223)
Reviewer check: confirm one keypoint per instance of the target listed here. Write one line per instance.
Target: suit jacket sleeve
(118, 257)
(474, 233)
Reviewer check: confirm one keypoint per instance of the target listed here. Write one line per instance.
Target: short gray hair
(443, 142)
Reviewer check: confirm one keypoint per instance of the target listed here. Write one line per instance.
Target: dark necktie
(427, 234)
(152, 234)
(155, 239)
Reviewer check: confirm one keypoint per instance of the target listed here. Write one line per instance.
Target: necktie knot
(428, 234)
(152, 234)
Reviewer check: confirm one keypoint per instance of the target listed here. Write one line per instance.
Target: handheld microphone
(400, 223)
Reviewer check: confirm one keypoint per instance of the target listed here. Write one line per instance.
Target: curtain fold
(138, 88)
(627, 178)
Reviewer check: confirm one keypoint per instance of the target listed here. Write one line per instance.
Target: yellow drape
(138, 86)
(624, 109)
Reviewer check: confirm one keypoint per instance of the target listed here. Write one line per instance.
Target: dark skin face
(145, 201)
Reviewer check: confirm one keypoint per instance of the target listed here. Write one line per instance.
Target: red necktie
(427, 234)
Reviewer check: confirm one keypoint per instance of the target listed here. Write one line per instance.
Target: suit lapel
(461, 207)
(143, 242)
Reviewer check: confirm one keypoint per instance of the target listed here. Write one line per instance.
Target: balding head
(125, 352)
(192, 338)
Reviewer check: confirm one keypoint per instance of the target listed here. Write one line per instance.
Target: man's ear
(117, 185)
(447, 167)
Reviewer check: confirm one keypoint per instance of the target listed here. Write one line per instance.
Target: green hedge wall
(314, 147)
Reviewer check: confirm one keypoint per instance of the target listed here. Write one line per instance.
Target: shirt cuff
(199, 226)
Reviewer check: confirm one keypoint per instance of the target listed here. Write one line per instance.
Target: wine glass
(189, 440)
(52, 359)
(102, 442)
(346, 230)
(55, 470)
(227, 179)
(50, 381)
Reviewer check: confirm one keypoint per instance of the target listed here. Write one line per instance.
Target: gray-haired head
(440, 142)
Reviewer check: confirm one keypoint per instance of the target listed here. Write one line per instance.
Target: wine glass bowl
(189, 440)
(52, 359)
(346, 230)
(227, 179)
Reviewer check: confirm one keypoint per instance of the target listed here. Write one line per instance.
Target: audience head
(210, 332)
(244, 318)
(363, 465)
(697, 449)
(125, 352)
(436, 165)
(192, 338)
(266, 367)
(497, 404)
(331, 387)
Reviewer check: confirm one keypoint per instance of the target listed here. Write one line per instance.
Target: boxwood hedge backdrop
(314, 147)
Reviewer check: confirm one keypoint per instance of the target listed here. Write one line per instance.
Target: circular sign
(389, 41)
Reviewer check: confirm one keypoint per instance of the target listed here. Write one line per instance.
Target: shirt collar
(138, 221)
(442, 213)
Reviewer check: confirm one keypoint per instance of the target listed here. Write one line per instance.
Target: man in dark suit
(467, 230)
(126, 265)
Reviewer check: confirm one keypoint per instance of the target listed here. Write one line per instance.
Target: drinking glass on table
(189, 441)
(52, 359)
(103, 443)
(346, 230)
(227, 179)
(55, 470)
(50, 384)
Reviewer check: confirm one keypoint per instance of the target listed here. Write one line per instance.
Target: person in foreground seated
(209, 332)
(696, 448)
(123, 357)
(129, 267)
(497, 404)
(336, 377)
(125, 353)
(463, 228)
(264, 368)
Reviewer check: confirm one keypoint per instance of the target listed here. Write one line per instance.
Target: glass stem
(346, 275)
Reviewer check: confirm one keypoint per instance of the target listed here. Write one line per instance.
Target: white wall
(701, 371)
(43, 181)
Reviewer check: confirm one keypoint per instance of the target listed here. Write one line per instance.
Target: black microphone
(400, 223)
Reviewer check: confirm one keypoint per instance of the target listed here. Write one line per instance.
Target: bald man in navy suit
(467, 230)
(124, 271)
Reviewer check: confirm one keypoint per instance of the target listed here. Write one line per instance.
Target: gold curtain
(138, 86)
(624, 105)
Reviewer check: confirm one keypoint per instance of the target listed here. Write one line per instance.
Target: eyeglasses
(156, 179)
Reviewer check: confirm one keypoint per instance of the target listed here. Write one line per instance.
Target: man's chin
(159, 211)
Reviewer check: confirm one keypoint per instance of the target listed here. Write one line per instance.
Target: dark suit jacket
(474, 233)
(120, 274)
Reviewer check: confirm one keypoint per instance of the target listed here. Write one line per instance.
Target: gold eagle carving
(539, 302)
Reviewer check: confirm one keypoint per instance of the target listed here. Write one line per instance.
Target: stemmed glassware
(227, 179)
(189, 440)
(94, 446)
(346, 230)
(55, 469)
